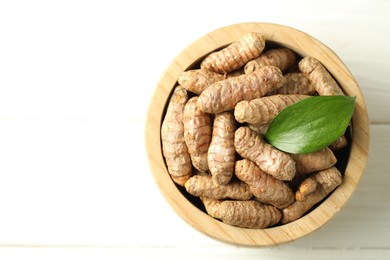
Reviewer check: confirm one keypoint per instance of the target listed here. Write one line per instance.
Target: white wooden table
(76, 78)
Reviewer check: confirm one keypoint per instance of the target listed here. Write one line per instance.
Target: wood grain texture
(76, 80)
(92, 198)
(304, 45)
(188, 252)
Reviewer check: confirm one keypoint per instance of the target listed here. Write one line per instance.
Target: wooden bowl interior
(190, 209)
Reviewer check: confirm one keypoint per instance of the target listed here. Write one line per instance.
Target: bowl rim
(304, 45)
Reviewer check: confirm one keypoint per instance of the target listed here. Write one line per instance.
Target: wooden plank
(90, 67)
(190, 253)
(80, 182)
(88, 182)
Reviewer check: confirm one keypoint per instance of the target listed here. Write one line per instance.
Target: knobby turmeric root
(260, 129)
(235, 73)
(236, 54)
(282, 58)
(296, 83)
(204, 186)
(221, 153)
(311, 192)
(340, 143)
(328, 179)
(307, 186)
(323, 82)
(316, 161)
(263, 110)
(198, 80)
(264, 187)
(197, 134)
(172, 136)
(224, 95)
(246, 213)
(269, 159)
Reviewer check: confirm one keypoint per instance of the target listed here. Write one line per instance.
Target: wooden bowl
(304, 45)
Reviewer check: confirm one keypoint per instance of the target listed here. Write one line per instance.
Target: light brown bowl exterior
(304, 45)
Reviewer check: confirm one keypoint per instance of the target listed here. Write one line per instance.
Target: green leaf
(311, 124)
